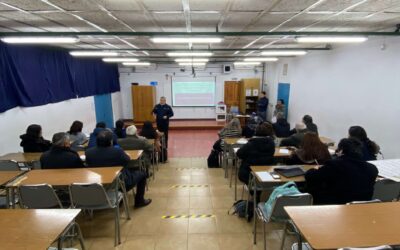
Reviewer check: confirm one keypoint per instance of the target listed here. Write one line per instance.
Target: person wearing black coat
(281, 128)
(344, 179)
(259, 150)
(105, 155)
(60, 154)
(32, 141)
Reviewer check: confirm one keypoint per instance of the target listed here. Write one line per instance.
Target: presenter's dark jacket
(163, 110)
(342, 180)
(258, 151)
(262, 104)
(106, 157)
(60, 157)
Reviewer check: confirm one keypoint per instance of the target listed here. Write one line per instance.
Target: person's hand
(165, 117)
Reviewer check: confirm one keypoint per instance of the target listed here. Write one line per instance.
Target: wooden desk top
(282, 179)
(134, 154)
(327, 141)
(7, 176)
(21, 157)
(23, 229)
(65, 177)
(232, 140)
(364, 225)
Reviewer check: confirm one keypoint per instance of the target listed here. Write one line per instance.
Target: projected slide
(193, 92)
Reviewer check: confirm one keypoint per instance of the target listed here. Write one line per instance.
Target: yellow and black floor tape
(188, 216)
(189, 186)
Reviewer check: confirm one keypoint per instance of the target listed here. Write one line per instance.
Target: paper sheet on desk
(241, 141)
(264, 176)
(284, 151)
(83, 157)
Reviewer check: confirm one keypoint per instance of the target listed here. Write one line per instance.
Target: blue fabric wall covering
(33, 76)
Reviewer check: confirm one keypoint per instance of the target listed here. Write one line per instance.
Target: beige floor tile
(140, 243)
(105, 243)
(200, 202)
(173, 226)
(234, 242)
(200, 191)
(203, 242)
(172, 242)
(178, 202)
(222, 202)
(202, 226)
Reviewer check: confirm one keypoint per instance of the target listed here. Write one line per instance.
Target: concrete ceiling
(195, 16)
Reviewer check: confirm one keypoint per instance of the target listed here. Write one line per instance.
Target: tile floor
(148, 231)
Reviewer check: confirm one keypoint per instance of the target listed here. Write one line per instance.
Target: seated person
(308, 121)
(369, 148)
(344, 179)
(296, 139)
(311, 151)
(32, 141)
(135, 142)
(281, 128)
(231, 130)
(76, 136)
(258, 151)
(100, 126)
(119, 129)
(105, 155)
(60, 154)
(149, 132)
(251, 125)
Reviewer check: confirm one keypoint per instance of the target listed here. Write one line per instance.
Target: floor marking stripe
(190, 186)
(188, 216)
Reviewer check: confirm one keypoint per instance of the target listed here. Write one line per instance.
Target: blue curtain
(33, 76)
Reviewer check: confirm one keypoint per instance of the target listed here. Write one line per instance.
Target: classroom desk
(21, 157)
(22, 229)
(255, 183)
(133, 154)
(229, 143)
(65, 177)
(362, 225)
(327, 141)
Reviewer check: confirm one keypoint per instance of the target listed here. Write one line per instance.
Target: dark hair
(119, 127)
(263, 92)
(34, 130)
(359, 133)
(148, 131)
(76, 127)
(282, 101)
(101, 125)
(104, 139)
(282, 121)
(351, 147)
(264, 129)
(313, 148)
(307, 119)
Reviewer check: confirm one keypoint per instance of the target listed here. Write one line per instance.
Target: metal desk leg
(236, 176)
(254, 207)
(7, 197)
(12, 190)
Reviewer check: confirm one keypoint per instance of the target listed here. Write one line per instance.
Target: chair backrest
(367, 248)
(9, 166)
(86, 195)
(36, 165)
(39, 196)
(278, 211)
(386, 190)
(363, 202)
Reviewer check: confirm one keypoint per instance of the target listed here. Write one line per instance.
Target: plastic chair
(43, 196)
(93, 196)
(39, 196)
(386, 190)
(278, 214)
(367, 248)
(9, 166)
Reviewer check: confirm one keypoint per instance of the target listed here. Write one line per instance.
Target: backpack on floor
(213, 159)
(239, 208)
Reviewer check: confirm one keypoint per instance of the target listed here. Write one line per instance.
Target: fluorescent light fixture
(120, 59)
(87, 53)
(136, 63)
(192, 64)
(183, 54)
(191, 60)
(186, 39)
(261, 59)
(331, 39)
(246, 63)
(39, 40)
(284, 53)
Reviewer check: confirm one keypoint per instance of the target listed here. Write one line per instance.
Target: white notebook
(264, 176)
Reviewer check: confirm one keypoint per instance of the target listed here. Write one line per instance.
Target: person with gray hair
(296, 139)
(60, 154)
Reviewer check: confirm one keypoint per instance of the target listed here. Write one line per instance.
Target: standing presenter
(162, 112)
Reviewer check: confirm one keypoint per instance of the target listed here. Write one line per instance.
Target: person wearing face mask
(344, 179)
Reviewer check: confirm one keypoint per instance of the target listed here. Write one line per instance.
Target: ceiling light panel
(186, 40)
(284, 53)
(185, 54)
(40, 40)
(87, 53)
(331, 39)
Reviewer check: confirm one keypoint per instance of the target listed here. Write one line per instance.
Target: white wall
(163, 73)
(349, 85)
(53, 118)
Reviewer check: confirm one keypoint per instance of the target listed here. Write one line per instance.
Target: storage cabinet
(143, 101)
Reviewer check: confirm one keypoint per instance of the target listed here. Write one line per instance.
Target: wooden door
(143, 101)
(231, 93)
